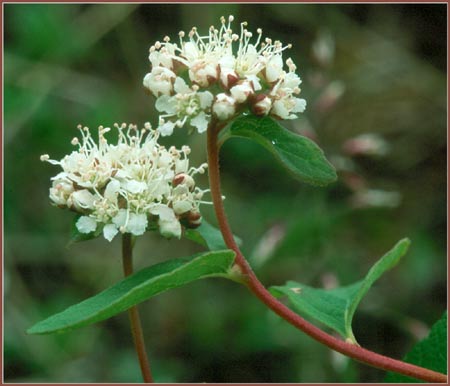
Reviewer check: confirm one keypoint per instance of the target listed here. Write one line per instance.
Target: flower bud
(261, 104)
(224, 107)
(60, 192)
(185, 179)
(242, 91)
(193, 219)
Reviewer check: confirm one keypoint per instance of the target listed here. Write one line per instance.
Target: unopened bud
(261, 104)
(183, 178)
(224, 107)
(242, 91)
(194, 219)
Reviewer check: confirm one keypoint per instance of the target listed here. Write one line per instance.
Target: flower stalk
(258, 289)
(133, 313)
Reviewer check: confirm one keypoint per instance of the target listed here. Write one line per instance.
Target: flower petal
(166, 128)
(200, 122)
(137, 224)
(109, 231)
(170, 228)
(86, 224)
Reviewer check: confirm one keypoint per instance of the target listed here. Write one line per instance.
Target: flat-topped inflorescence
(128, 187)
(219, 75)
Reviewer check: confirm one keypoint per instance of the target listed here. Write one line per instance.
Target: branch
(258, 289)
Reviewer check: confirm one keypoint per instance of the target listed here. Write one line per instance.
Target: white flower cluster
(221, 74)
(128, 187)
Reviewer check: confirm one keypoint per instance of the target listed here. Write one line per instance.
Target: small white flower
(137, 223)
(287, 106)
(163, 57)
(61, 191)
(122, 187)
(224, 107)
(187, 106)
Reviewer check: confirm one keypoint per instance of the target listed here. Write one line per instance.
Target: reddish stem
(133, 313)
(258, 289)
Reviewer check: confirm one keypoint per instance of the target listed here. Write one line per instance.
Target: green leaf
(138, 287)
(208, 236)
(430, 353)
(336, 308)
(298, 154)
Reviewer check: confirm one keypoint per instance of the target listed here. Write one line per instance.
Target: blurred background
(375, 80)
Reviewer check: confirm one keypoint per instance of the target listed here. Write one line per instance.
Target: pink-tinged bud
(178, 179)
(261, 104)
(183, 178)
(224, 107)
(194, 219)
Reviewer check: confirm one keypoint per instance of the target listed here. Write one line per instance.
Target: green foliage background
(68, 64)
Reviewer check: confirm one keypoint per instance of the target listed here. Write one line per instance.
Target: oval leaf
(136, 288)
(336, 308)
(298, 154)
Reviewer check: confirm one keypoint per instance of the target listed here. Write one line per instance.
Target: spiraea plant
(224, 84)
